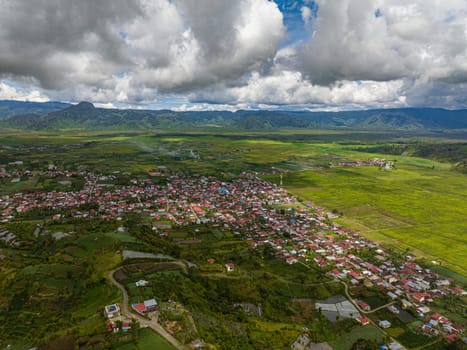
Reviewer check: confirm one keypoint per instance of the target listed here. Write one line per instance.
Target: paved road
(127, 312)
(349, 297)
(159, 329)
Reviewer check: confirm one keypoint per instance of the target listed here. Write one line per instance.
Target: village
(260, 212)
(382, 164)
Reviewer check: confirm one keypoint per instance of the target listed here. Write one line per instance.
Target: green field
(419, 208)
(345, 341)
(210, 297)
(147, 340)
(413, 206)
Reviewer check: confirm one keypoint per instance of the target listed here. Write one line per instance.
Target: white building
(142, 283)
(384, 324)
(111, 311)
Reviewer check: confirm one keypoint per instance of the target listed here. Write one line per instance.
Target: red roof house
(363, 320)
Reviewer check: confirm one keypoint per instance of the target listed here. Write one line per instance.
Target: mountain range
(85, 116)
(10, 108)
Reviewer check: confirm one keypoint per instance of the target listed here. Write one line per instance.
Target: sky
(236, 54)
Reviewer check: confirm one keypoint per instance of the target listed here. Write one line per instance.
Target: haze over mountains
(10, 108)
(85, 116)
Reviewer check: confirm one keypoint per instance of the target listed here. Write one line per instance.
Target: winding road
(153, 324)
(349, 297)
(381, 330)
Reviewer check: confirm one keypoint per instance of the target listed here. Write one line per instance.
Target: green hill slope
(85, 116)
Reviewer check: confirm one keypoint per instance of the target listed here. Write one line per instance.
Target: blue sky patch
(291, 10)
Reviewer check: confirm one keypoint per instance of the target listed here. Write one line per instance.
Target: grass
(58, 290)
(91, 243)
(128, 346)
(123, 237)
(149, 340)
(19, 345)
(272, 334)
(449, 273)
(395, 332)
(139, 294)
(345, 341)
(413, 340)
(412, 206)
(95, 299)
(26, 184)
(419, 206)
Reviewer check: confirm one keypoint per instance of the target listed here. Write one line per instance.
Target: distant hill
(10, 108)
(453, 152)
(85, 116)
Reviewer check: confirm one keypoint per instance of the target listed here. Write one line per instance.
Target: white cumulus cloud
(136, 52)
(10, 92)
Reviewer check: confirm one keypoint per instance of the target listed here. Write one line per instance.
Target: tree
(363, 344)
(268, 251)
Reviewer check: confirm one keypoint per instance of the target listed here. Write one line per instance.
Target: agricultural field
(149, 340)
(346, 340)
(419, 206)
(56, 284)
(146, 340)
(414, 207)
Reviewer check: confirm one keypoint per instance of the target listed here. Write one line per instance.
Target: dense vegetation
(455, 153)
(52, 290)
(284, 293)
(419, 205)
(11, 108)
(84, 116)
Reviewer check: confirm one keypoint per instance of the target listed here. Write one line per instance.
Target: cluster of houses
(52, 172)
(145, 307)
(379, 162)
(10, 205)
(112, 312)
(335, 248)
(436, 324)
(258, 211)
(113, 326)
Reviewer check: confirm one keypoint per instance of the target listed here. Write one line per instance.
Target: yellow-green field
(414, 206)
(421, 205)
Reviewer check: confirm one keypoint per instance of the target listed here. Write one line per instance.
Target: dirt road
(153, 324)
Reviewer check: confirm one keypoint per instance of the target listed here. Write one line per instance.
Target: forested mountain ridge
(85, 116)
(10, 108)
